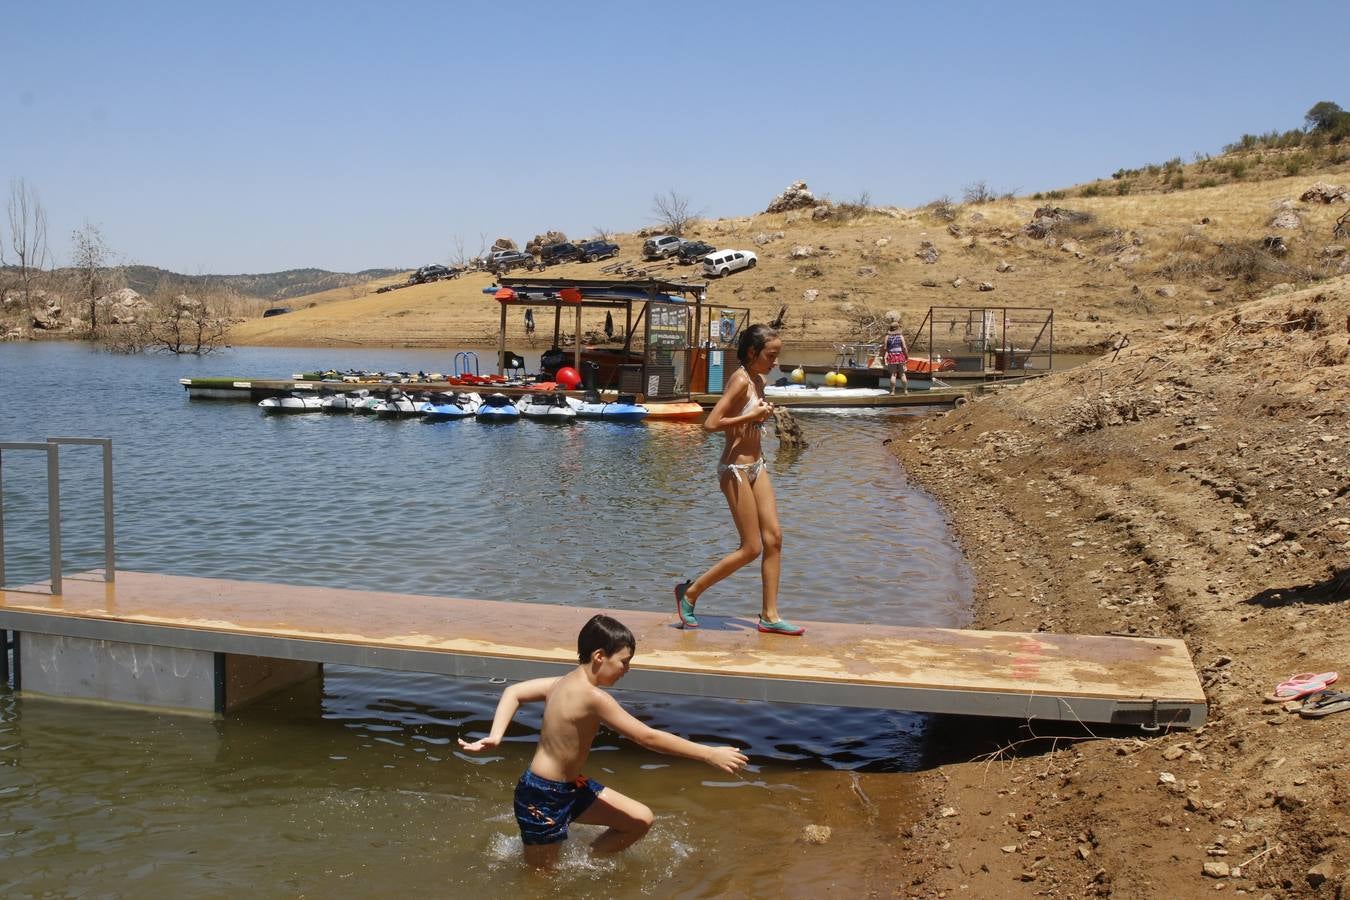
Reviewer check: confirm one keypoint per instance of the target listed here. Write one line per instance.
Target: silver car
(661, 246)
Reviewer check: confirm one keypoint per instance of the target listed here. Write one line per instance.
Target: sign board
(727, 326)
(667, 325)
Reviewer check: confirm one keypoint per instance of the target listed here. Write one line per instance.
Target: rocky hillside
(1193, 485)
(1109, 266)
(268, 286)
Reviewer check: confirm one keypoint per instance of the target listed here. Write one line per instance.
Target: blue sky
(250, 137)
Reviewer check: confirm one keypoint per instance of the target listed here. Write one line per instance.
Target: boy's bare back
(571, 720)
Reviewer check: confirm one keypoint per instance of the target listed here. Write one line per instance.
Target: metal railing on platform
(52, 447)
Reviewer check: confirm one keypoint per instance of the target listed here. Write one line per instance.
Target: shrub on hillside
(942, 209)
(848, 210)
(979, 192)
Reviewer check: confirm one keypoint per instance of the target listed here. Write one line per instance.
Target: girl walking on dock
(739, 415)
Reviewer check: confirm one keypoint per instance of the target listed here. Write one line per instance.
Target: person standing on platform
(609, 325)
(739, 415)
(529, 321)
(553, 793)
(897, 355)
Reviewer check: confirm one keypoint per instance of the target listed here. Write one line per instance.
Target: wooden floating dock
(211, 645)
(806, 400)
(255, 389)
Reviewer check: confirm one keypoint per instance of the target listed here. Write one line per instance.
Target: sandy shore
(1197, 486)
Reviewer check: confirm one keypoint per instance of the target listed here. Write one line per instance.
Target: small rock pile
(1322, 192)
(548, 238)
(1287, 219)
(797, 196)
(1047, 218)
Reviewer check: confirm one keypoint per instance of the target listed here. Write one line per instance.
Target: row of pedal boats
(435, 406)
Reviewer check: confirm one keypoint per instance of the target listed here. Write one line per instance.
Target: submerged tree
(89, 259)
(27, 237)
(183, 324)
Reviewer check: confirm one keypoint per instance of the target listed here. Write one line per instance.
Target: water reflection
(359, 777)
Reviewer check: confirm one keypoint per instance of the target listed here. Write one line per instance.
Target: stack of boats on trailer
(440, 406)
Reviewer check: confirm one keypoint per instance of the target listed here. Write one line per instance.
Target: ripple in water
(323, 793)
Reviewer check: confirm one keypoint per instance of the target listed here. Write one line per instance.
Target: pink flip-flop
(1301, 685)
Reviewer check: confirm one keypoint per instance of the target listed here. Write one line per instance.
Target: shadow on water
(356, 785)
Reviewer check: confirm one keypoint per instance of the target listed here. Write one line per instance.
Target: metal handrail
(52, 448)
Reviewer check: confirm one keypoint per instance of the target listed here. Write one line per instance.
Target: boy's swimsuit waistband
(544, 808)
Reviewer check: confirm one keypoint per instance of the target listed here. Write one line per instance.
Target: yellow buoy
(798, 375)
(840, 380)
(829, 378)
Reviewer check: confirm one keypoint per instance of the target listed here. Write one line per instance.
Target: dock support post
(145, 675)
(54, 513)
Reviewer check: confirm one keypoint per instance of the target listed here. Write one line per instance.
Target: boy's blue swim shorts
(545, 808)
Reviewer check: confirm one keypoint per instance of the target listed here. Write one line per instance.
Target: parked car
(598, 249)
(431, 273)
(661, 246)
(558, 253)
(691, 252)
(724, 262)
(505, 260)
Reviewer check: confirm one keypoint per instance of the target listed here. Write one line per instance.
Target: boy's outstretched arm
(728, 759)
(530, 691)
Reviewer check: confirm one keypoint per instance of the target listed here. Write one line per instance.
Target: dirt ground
(1194, 486)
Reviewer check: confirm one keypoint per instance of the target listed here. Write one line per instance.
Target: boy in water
(553, 793)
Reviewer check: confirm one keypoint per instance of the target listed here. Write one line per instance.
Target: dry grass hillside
(1135, 264)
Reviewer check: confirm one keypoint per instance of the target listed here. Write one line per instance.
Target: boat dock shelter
(212, 645)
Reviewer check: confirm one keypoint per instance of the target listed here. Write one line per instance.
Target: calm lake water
(354, 787)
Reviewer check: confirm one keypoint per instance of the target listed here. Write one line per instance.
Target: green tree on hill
(1328, 118)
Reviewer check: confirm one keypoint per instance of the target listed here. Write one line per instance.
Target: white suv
(661, 246)
(724, 262)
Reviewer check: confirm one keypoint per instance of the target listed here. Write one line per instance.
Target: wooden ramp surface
(1044, 676)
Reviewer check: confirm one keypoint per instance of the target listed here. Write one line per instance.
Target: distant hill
(270, 286)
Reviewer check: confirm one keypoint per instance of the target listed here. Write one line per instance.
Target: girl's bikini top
(751, 403)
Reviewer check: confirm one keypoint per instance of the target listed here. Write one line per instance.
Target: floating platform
(212, 644)
(825, 400)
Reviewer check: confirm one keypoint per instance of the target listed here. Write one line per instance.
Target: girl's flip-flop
(683, 608)
(782, 626)
(1301, 685)
(1324, 704)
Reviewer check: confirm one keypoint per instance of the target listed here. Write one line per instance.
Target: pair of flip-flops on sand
(1313, 689)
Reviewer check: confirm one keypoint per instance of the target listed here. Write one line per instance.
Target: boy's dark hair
(754, 338)
(606, 634)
